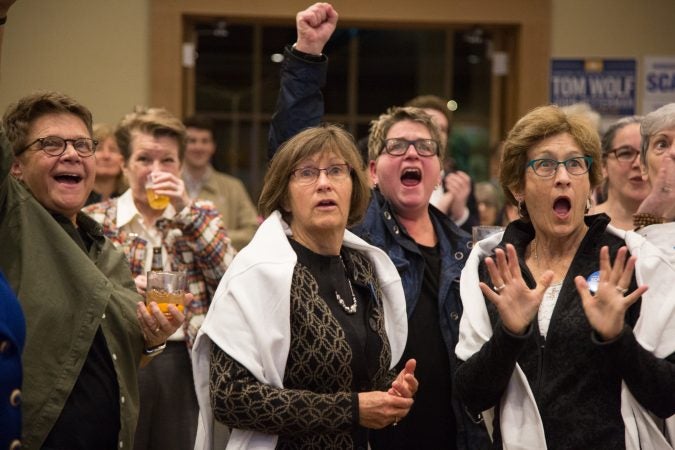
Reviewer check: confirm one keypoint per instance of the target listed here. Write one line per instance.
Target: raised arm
(303, 74)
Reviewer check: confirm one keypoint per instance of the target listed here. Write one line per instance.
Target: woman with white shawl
(298, 346)
(551, 337)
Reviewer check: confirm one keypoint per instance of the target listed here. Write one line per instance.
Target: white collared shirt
(130, 220)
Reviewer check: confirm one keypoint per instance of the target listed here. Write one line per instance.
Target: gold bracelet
(641, 220)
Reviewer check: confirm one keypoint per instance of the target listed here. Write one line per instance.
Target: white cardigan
(249, 319)
(520, 423)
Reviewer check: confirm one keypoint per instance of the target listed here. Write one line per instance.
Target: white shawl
(249, 319)
(520, 423)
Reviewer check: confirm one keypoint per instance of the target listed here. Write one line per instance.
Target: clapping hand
(379, 409)
(607, 308)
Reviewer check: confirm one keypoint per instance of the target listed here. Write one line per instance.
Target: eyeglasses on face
(56, 146)
(625, 154)
(398, 146)
(334, 172)
(578, 165)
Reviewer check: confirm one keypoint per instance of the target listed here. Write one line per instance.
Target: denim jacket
(380, 228)
(300, 105)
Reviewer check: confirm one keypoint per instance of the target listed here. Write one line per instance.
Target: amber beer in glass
(155, 200)
(165, 288)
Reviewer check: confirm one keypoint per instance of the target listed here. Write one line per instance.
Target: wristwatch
(154, 351)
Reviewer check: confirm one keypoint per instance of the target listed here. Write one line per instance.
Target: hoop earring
(522, 209)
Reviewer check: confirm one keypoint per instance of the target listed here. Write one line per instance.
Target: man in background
(227, 193)
(454, 196)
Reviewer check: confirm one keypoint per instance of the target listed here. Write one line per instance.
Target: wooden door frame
(525, 87)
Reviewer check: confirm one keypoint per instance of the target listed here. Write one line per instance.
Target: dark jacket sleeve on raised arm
(300, 101)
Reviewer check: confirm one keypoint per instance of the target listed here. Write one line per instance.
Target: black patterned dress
(333, 355)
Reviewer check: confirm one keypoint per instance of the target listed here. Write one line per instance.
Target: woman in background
(623, 183)
(489, 203)
(191, 237)
(109, 181)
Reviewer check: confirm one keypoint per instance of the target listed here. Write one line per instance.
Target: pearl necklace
(348, 309)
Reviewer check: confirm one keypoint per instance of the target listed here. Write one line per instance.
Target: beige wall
(94, 50)
(98, 50)
(614, 29)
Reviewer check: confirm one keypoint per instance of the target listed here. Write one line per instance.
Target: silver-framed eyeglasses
(626, 154)
(334, 172)
(56, 146)
(578, 165)
(399, 146)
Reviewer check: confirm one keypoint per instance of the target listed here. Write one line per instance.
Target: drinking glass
(166, 288)
(156, 201)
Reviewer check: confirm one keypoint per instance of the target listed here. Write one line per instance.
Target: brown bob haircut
(322, 139)
(539, 124)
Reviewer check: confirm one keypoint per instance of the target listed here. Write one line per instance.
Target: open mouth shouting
(411, 176)
(562, 207)
(68, 178)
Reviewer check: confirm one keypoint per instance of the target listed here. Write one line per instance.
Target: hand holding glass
(156, 201)
(166, 288)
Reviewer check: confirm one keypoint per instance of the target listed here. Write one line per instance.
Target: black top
(90, 417)
(575, 378)
(433, 399)
(331, 275)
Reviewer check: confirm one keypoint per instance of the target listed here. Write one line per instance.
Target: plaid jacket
(196, 241)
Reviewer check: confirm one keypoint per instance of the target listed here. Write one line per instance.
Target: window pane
(224, 68)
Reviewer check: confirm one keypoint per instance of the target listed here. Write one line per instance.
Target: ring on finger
(499, 288)
(622, 290)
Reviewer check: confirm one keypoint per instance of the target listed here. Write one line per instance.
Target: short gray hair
(661, 119)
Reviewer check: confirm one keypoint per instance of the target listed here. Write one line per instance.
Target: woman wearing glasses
(426, 247)
(86, 327)
(298, 347)
(623, 184)
(547, 336)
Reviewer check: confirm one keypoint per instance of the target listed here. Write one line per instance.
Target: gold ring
(621, 290)
(499, 288)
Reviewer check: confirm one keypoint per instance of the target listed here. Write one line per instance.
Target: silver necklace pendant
(348, 309)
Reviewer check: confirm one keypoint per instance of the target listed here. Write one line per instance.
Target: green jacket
(65, 297)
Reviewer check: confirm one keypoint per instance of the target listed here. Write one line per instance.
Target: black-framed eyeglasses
(398, 146)
(626, 154)
(334, 172)
(56, 146)
(578, 165)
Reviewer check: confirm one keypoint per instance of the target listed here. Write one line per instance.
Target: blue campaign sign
(607, 85)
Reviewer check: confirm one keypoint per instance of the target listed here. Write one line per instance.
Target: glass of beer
(166, 288)
(156, 201)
